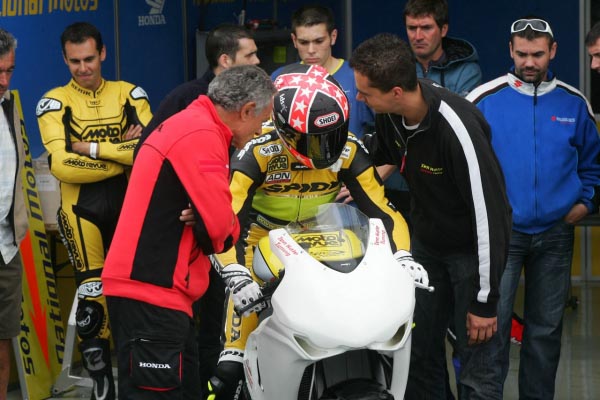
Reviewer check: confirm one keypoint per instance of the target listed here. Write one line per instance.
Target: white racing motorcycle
(342, 311)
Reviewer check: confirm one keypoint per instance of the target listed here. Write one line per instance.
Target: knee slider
(89, 318)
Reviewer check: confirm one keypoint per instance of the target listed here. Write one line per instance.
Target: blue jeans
(546, 258)
(453, 276)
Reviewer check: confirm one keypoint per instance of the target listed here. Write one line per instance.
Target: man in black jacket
(226, 45)
(460, 214)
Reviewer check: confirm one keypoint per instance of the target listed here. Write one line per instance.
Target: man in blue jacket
(545, 136)
(314, 34)
(451, 62)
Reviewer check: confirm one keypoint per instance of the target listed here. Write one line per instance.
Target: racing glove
(416, 270)
(244, 290)
(227, 382)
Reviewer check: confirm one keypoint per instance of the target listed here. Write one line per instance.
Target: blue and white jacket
(547, 142)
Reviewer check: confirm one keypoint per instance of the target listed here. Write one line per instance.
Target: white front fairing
(319, 312)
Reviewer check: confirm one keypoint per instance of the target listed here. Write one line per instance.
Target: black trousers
(157, 352)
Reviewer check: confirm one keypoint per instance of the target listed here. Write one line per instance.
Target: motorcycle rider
(90, 128)
(282, 176)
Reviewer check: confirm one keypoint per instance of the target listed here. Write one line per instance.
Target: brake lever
(421, 286)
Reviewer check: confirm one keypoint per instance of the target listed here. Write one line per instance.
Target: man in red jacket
(157, 266)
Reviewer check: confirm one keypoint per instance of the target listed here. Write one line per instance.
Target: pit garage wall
(151, 42)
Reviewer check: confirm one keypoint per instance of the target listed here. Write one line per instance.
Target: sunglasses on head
(538, 25)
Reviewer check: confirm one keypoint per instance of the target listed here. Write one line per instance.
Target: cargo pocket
(155, 364)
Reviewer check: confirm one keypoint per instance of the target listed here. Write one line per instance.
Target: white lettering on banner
(155, 14)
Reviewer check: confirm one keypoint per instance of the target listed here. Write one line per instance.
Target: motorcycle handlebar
(267, 292)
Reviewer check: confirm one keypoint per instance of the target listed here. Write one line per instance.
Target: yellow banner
(39, 348)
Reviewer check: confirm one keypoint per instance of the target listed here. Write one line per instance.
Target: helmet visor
(323, 148)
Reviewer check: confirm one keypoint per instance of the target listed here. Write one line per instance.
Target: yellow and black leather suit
(270, 188)
(92, 190)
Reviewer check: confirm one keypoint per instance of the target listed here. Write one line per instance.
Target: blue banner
(37, 26)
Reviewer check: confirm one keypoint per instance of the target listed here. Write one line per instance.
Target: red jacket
(153, 256)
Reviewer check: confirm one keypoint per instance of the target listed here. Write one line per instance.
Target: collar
(440, 61)
(529, 89)
(86, 92)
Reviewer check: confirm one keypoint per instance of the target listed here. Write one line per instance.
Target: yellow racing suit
(92, 190)
(271, 188)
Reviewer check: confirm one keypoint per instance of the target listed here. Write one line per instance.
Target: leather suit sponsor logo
(47, 104)
(128, 146)
(269, 150)
(73, 162)
(101, 133)
(303, 187)
(139, 93)
(264, 222)
(236, 324)
(66, 234)
(93, 103)
(278, 164)
(258, 140)
(346, 153)
(279, 177)
(296, 166)
(90, 289)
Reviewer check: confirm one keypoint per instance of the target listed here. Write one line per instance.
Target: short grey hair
(7, 42)
(238, 85)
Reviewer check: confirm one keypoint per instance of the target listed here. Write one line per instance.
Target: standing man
(451, 62)
(157, 266)
(459, 210)
(13, 216)
(545, 136)
(314, 34)
(89, 128)
(226, 46)
(592, 42)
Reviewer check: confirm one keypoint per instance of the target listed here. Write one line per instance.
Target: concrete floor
(578, 377)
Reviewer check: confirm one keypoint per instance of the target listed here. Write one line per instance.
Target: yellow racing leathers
(92, 189)
(270, 189)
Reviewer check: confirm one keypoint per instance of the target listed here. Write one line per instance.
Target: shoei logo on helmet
(326, 120)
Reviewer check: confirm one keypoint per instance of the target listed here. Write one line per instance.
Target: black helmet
(310, 114)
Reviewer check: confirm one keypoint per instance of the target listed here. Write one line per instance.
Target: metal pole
(348, 29)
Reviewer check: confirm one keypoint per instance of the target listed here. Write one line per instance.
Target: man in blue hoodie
(545, 137)
(451, 62)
